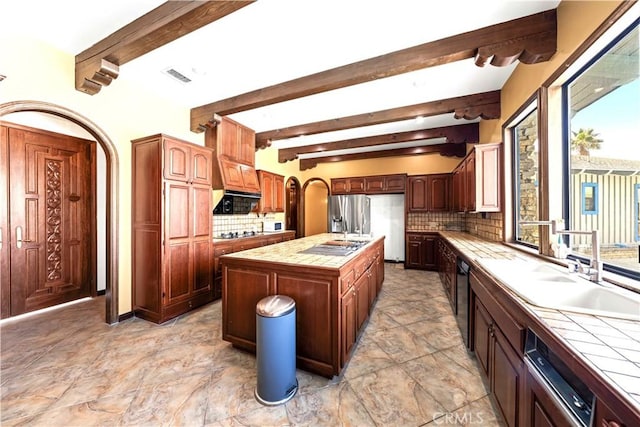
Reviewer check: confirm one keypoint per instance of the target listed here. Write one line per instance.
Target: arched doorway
(111, 157)
(315, 196)
(292, 208)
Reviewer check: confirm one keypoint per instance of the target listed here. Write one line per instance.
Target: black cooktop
(237, 235)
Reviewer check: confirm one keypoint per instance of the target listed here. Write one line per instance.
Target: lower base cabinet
(237, 245)
(540, 407)
(502, 365)
(421, 250)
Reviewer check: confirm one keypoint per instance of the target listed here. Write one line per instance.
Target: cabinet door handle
(0, 237)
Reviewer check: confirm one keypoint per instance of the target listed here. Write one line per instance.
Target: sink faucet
(595, 267)
(594, 270)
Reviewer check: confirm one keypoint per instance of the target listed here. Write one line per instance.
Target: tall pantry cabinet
(172, 225)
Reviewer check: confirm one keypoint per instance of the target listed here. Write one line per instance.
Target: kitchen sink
(551, 286)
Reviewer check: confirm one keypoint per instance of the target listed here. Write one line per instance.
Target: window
(589, 198)
(602, 105)
(525, 138)
(637, 210)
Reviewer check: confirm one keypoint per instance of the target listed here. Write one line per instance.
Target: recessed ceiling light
(598, 89)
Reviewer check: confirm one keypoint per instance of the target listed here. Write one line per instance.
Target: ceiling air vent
(177, 75)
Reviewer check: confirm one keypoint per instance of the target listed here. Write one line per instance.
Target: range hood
(236, 189)
(234, 203)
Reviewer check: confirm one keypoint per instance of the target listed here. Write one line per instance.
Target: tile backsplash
(435, 221)
(485, 225)
(239, 223)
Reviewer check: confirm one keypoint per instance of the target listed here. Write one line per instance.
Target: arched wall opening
(111, 193)
(315, 196)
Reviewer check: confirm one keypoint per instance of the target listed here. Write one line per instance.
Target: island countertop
(334, 295)
(289, 252)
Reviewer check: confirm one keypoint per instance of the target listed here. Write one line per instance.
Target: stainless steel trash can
(276, 350)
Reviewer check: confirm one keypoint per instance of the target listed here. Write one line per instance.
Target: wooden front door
(51, 219)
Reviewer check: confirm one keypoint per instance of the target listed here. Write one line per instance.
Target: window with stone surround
(525, 137)
(571, 153)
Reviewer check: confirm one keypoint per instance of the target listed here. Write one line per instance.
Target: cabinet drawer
(346, 281)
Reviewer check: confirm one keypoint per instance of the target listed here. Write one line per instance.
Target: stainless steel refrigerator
(350, 213)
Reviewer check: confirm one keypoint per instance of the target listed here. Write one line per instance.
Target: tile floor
(68, 368)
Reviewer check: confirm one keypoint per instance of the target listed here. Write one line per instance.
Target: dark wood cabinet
(332, 303)
(439, 192)
(172, 224)
(458, 198)
(421, 251)
(417, 197)
(233, 140)
(230, 246)
(395, 183)
(237, 176)
(349, 316)
(540, 405)
(272, 192)
(362, 294)
(376, 184)
(353, 185)
(476, 180)
(507, 380)
(470, 183)
(497, 341)
(429, 193)
(606, 417)
(500, 363)
(446, 260)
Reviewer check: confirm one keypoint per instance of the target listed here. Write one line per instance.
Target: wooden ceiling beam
(485, 105)
(99, 65)
(531, 39)
(460, 134)
(449, 150)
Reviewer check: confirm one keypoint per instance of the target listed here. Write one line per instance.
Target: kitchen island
(334, 291)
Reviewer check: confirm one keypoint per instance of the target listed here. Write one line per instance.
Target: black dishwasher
(462, 299)
(570, 393)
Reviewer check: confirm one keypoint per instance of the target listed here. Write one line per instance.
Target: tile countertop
(610, 346)
(288, 252)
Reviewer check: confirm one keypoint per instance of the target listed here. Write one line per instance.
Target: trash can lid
(275, 306)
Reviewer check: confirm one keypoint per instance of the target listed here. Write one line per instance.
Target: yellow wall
(577, 20)
(315, 208)
(36, 71)
(413, 165)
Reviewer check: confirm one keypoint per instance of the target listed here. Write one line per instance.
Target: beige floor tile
(393, 398)
(67, 367)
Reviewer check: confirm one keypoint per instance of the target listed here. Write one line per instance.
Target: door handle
(18, 237)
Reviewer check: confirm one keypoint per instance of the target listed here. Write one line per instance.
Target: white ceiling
(272, 41)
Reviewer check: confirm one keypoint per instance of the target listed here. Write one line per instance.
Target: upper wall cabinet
(476, 180)
(272, 190)
(234, 141)
(429, 193)
(377, 184)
